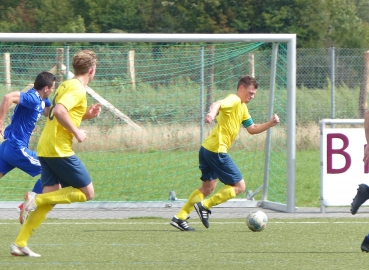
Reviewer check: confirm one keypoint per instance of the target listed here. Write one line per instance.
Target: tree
(123, 15)
(348, 30)
(17, 18)
(317, 23)
(196, 16)
(5, 5)
(54, 16)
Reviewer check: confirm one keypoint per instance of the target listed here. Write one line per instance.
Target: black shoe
(181, 224)
(361, 196)
(365, 245)
(203, 214)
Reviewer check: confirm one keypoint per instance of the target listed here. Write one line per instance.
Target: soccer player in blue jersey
(64, 177)
(230, 112)
(14, 152)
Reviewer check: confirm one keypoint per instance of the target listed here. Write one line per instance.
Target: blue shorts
(66, 171)
(22, 158)
(218, 165)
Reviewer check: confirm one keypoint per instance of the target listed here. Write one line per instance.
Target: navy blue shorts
(218, 165)
(22, 158)
(66, 171)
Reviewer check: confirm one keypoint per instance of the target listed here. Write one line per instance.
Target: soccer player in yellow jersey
(64, 178)
(214, 161)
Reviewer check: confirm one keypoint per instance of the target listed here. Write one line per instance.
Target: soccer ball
(256, 221)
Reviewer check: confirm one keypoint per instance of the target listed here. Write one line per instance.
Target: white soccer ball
(256, 221)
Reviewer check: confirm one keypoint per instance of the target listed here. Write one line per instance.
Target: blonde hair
(83, 61)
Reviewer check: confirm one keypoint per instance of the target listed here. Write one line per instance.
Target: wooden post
(364, 87)
(59, 66)
(252, 64)
(131, 68)
(210, 78)
(8, 82)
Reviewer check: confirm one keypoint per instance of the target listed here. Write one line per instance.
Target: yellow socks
(44, 203)
(187, 208)
(62, 196)
(223, 195)
(33, 221)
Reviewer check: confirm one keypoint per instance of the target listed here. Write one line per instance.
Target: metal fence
(316, 66)
(328, 80)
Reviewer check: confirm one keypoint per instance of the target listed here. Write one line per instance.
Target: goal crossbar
(117, 37)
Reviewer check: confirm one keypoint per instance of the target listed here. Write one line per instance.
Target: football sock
(62, 196)
(33, 221)
(187, 208)
(223, 195)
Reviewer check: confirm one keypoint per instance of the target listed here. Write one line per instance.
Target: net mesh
(145, 142)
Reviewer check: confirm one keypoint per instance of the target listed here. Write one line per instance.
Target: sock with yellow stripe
(187, 208)
(33, 221)
(62, 196)
(223, 195)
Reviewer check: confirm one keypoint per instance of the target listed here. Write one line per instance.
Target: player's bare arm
(213, 111)
(366, 128)
(8, 100)
(92, 112)
(259, 128)
(46, 111)
(62, 115)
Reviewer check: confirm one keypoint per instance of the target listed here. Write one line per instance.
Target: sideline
(217, 212)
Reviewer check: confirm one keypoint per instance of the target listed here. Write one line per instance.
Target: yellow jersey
(55, 140)
(232, 113)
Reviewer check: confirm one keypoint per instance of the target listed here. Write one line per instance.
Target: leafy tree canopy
(317, 23)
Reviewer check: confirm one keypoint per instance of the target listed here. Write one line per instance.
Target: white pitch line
(214, 222)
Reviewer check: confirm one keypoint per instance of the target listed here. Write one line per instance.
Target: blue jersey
(25, 117)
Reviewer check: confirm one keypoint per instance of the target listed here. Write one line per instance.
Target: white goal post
(288, 39)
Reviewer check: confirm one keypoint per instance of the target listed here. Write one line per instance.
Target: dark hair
(44, 79)
(247, 81)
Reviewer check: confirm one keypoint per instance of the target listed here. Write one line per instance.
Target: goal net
(156, 90)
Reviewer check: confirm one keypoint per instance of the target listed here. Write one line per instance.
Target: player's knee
(206, 191)
(89, 195)
(208, 187)
(211, 188)
(240, 187)
(89, 191)
(240, 190)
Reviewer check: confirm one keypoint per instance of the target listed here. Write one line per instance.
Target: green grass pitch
(151, 243)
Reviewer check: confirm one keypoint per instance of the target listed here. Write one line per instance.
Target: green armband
(247, 122)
